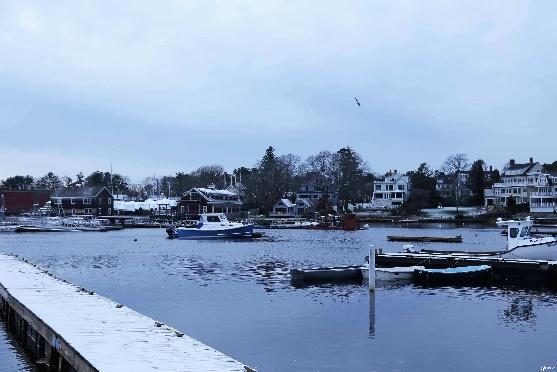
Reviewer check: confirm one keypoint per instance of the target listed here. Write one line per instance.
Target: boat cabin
(518, 232)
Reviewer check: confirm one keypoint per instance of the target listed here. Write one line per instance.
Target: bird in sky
(357, 102)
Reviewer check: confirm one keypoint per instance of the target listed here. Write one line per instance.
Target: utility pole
(111, 184)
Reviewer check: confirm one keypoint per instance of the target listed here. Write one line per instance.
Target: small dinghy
(455, 275)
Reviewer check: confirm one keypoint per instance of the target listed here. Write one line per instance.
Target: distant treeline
(274, 176)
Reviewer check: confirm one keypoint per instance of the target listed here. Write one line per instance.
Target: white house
(525, 183)
(392, 191)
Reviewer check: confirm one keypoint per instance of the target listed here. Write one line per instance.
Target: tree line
(343, 172)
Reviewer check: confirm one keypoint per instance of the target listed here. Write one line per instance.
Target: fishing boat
(425, 239)
(521, 245)
(213, 226)
(461, 275)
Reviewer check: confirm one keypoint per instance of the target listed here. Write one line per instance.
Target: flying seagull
(357, 102)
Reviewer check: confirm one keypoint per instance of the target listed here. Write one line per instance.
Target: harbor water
(236, 296)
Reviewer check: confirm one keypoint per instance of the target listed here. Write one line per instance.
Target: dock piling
(372, 267)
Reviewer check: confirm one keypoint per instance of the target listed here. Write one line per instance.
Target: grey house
(94, 201)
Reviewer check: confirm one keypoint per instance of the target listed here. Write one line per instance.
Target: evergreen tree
(477, 181)
(19, 183)
(49, 181)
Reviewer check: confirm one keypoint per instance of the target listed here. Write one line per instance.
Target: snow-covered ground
(450, 212)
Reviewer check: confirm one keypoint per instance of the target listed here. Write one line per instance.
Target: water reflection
(271, 273)
(519, 313)
(81, 261)
(372, 314)
(11, 359)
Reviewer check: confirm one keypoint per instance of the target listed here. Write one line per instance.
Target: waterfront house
(287, 208)
(208, 200)
(526, 183)
(94, 201)
(21, 201)
(315, 189)
(391, 191)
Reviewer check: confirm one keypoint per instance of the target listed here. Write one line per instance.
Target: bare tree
(454, 168)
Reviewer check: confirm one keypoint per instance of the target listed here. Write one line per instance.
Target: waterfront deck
(87, 332)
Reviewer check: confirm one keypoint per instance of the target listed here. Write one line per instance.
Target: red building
(16, 201)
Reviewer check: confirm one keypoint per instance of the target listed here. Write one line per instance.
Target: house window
(109, 200)
(390, 187)
(73, 211)
(204, 209)
(86, 200)
(87, 210)
(109, 210)
(58, 201)
(401, 187)
(72, 201)
(100, 201)
(378, 187)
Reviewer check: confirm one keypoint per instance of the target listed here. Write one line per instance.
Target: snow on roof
(287, 203)
(216, 191)
(72, 192)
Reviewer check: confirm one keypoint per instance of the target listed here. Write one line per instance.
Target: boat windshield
(213, 219)
(525, 231)
(513, 232)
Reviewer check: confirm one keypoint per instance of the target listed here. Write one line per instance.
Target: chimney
(512, 162)
(491, 168)
(531, 160)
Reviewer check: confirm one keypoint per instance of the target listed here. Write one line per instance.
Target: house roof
(78, 192)
(307, 202)
(216, 191)
(517, 169)
(287, 203)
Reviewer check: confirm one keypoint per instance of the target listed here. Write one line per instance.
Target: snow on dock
(94, 333)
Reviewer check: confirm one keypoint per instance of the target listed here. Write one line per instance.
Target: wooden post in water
(372, 267)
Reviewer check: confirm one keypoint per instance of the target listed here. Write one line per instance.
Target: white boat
(521, 245)
(388, 274)
(213, 226)
(8, 227)
(292, 224)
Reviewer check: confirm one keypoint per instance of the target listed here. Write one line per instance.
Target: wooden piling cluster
(68, 328)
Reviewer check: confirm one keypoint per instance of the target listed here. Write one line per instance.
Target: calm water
(236, 297)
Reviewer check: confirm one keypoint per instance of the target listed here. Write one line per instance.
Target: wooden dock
(425, 239)
(511, 271)
(70, 328)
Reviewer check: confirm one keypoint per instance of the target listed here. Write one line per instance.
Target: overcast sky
(166, 86)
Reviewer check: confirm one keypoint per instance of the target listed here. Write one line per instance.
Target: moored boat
(521, 245)
(213, 226)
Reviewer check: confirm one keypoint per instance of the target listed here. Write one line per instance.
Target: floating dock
(69, 328)
(425, 239)
(503, 270)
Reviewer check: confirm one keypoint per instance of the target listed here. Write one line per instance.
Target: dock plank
(109, 338)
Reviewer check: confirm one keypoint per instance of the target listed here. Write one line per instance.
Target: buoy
(135, 240)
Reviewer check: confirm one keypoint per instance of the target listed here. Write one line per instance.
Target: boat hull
(244, 231)
(546, 252)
